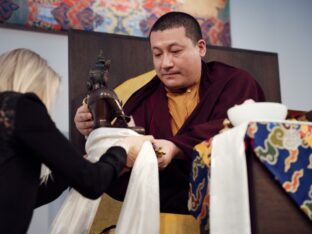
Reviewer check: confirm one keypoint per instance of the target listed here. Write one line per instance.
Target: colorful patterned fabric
(6, 9)
(117, 16)
(285, 149)
(198, 203)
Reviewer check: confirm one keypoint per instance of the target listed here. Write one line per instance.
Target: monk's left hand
(169, 149)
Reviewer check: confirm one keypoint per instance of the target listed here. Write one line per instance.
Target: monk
(184, 104)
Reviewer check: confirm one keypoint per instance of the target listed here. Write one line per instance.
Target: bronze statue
(103, 102)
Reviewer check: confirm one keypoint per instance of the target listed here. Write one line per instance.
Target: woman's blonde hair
(22, 70)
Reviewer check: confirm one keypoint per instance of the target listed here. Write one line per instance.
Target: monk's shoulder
(219, 69)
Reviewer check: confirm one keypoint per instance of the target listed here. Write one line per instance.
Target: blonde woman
(30, 139)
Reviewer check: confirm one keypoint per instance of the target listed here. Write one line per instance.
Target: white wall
(281, 26)
(52, 47)
(284, 27)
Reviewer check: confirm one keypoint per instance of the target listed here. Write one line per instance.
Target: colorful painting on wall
(128, 17)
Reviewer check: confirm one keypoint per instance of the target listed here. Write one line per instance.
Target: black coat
(28, 138)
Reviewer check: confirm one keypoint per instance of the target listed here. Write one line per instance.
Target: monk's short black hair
(177, 19)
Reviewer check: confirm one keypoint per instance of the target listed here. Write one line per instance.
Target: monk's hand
(168, 150)
(133, 145)
(83, 120)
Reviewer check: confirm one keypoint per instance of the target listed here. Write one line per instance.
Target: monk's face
(177, 60)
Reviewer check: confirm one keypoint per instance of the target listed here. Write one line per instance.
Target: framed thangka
(128, 17)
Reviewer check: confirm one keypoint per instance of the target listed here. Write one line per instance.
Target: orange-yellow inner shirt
(181, 105)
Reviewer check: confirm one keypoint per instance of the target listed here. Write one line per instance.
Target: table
(284, 149)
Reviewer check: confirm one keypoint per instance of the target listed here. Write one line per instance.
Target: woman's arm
(35, 131)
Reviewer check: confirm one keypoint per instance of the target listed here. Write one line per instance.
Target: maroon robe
(221, 87)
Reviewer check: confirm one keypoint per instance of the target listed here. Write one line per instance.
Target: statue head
(98, 75)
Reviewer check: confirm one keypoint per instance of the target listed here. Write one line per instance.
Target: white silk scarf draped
(140, 211)
(229, 204)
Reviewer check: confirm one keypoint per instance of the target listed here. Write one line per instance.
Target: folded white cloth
(140, 213)
(229, 204)
(142, 198)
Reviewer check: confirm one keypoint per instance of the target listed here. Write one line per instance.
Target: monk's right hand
(83, 120)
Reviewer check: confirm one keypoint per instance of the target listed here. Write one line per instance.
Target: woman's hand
(133, 146)
(83, 120)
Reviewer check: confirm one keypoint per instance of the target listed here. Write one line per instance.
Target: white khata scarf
(140, 211)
